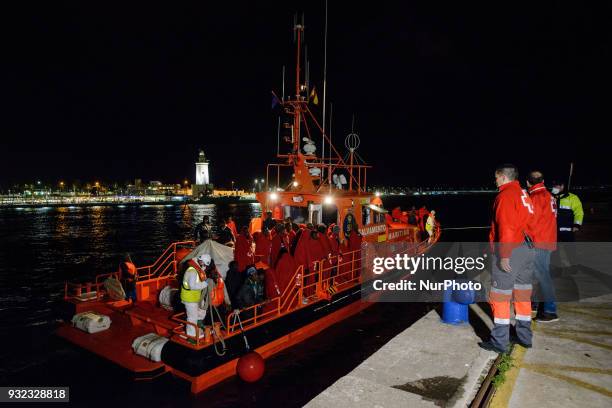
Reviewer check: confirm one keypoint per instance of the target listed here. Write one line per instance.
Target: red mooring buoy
(250, 367)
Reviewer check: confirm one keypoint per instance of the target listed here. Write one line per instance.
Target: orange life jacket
(217, 295)
(194, 264)
(130, 268)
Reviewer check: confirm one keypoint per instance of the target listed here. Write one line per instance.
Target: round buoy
(250, 367)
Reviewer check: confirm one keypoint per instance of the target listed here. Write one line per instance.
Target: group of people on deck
(265, 262)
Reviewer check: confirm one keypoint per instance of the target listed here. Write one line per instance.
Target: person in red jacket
(231, 225)
(545, 239)
(279, 240)
(285, 269)
(512, 266)
(243, 251)
(326, 245)
(271, 286)
(263, 246)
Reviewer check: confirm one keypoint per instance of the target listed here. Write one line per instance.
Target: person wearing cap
(570, 213)
(251, 291)
(194, 280)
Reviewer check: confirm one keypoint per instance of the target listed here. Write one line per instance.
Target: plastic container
(149, 346)
(91, 322)
(454, 312)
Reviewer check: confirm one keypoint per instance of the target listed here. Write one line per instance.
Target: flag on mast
(314, 98)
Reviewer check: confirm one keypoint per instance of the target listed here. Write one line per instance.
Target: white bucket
(150, 346)
(91, 322)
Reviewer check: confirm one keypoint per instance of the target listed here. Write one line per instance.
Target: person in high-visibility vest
(194, 280)
(569, 212)
(430, 225)
(512, 263)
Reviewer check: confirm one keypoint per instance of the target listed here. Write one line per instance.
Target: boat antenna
(325, 86)
(329, 175)
(569, 179)
(283, 99)
(278, 137)
(294, 24)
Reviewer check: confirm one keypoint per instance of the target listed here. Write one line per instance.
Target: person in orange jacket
(545, 239)
(512, 267)
(127, 271)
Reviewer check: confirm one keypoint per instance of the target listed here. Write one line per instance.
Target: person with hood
(263, 246)
(290, 231)
(280, 240)
(243, 250)
(285, 269)
(194, 280)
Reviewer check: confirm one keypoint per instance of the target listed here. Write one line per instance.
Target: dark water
(42, 248)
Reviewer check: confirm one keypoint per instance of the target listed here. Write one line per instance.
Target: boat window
(330, 214)
(379, 218)
(365, 215)
(299, 215)
(316, 215)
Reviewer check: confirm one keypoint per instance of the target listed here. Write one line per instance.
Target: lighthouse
(202, 169)
(202, 184)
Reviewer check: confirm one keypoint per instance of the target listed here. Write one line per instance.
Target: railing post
(319, 277)
(353, 265)
(300, 277)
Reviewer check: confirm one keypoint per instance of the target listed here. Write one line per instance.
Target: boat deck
(127, 323)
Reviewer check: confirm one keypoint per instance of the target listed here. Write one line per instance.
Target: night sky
(441, 92)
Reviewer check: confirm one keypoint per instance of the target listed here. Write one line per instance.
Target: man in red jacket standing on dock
(545, 238)
(512, 266)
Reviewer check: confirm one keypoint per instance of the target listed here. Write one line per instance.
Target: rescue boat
(302, 185)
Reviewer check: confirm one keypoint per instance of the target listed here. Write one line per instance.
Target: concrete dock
(570, 364)
(429, 364)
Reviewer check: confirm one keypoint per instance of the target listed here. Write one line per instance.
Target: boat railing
(83, 291)
(328, 276)
(181, 331)
(166, 265)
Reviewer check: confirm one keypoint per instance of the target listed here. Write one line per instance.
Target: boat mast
(299, 30)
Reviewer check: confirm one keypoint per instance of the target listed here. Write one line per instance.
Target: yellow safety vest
(188, 295)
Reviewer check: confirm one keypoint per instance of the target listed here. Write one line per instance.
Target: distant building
(202, 185)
